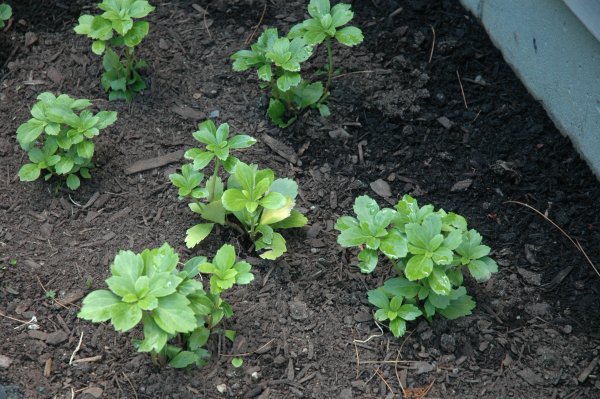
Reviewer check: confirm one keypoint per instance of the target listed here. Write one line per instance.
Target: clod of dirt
(339, 134)
(30, 38)
(188, 113)
(445, 122)
(381, 188)
(462, 185)
(5, 362)
(538, 309)
(346, 394)
(530, 277)
(531, 377)
(424, 367)
(46, 230)
(56, 337)
(298, 310)
(448, 343)
(95, 392)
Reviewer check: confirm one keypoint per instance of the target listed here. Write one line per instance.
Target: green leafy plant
(50, 294)
(261, 204)
(148, 288)
(120, 77)
(13, 262)
(64, 137)
(292, 94)
(5, 13)
(428, 251)
(218, 148)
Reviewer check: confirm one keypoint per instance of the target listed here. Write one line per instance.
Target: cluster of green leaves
(148, 288)
(291, 93)
(120, 77)
(5, 13)
(255, 198)
(428, 250)
(64, 137)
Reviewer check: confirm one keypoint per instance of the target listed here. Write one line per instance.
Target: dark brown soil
(532, 335)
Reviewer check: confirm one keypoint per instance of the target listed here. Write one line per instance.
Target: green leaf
(148, 302)
(490, 263)
(240, 141)
(458, 308)
(353, 236)
(215, 212)
(85, 149)
(439, 301)
(443, 256)
(399, 286)
(439, 282)
(393, 244)
(29, 172)
(369, 260)
(378, 299)
(234, 200)
(453, 240)
(288, 80)
(125, 316)
(236, 362)
(183, 359)
(479, 270)
(418, 267)
(345, 222)
(273, 201)
(244, 176)
(277, 247)
(30, 131)
(409, 312)
(98, 47)
(197, 233)
(350, 36)
(296, 219)
(122, 286)
(199, 338)
(97, 306)
(341, 15)
(85, 24)
(73, 182)
(456, 278)
(174, 315)
(230, 334)
(318, 8)
(276, 110)
(140, 8)
(100, 28)
(287, 187)
(272, 216)
(64, 166)
(365, 208)
(154, 337)
(128, 265)
(398, 327)
(224, 258)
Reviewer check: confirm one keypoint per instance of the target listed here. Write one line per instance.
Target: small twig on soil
(461, 90)
(10, 57)
(396, 369)
(476, 116)
(88, 359)
(76, 349)
(432, 45)
(132, 387)
(259, 22)
(249, 353)
(73, 201)
(268, 274)
(206, 25)
(380, 376)
(20, 321)
(372, 336)
(577, 245)
(351, 73)
(357, 358)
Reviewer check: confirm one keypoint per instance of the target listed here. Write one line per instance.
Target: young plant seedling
(428, 250)
(5, 13)
(291, 93)
(218, 148)
(148, 288)
(64, 137)
(262, 204)
(120, 77)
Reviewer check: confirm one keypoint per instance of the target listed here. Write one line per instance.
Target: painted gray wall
(563, 72)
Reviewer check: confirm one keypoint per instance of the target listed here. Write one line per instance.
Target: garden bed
(396, 116)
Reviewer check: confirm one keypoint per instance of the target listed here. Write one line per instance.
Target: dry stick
(259, 22)
(351, 73)
(249, 353)
(205, 25)
(396, 364)
(461, 90)
(561, 230)
(20, 321)
(132, 387)
(477, 116)
(76, 349)
(373, 335)
(432, 45)
(380, 376)
(357, 358)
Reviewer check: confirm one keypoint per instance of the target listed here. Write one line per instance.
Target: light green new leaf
(277, 247)
(409, 312)
(162, 284)
(341, 15)
(296, 219)
(128, 265)
(369, 260)
(402, 287)
(458, 308)
(345, 222)
(73, 182)
(439, 281)
(199, 338)
(272, 216)
(418, 267)
(234, 200)
(479, 269)
(350, 36)
(393, 244)
(30, 131)
(97, 306)
(174, 315)
(197, 233)
(398, 327)
(29, 172)
(154, 337)
(273, 201)
(353, 236)
(379, 299)
(125, 316)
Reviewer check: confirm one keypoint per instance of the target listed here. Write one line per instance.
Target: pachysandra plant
(148, 288)
(291, 93)
(64, 137)
(428, 251)
(5, 13)
(120, 77)
(262, 204)
(217, 147)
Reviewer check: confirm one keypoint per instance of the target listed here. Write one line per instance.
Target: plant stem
(211, 194)
(235, 226)
(290, 101)
(129, 62)
(274, 88)
(200, 205)
(395, 264)
(154, 359)
(326, 92)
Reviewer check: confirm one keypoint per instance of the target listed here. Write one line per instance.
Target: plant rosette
(428, 250)
(218, 146)
(64, 137)
(147, 288)
(5, 13)
(121, 77)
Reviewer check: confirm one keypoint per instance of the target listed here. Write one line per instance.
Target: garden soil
(425, 106)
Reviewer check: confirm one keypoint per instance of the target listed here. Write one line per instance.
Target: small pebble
(214, 114)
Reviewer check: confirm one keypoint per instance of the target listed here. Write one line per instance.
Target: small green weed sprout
(148, 288)
(121, 78)
(291, 93)
(64, 137)
(428, 250)
(5, 13)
